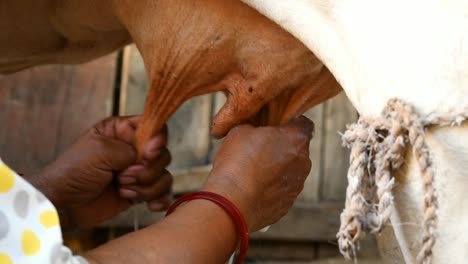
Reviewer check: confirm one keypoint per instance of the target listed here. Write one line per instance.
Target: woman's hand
(262, 170)
(98, 176)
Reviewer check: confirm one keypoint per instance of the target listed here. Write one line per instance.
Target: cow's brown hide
(190, 47)
(223, 45)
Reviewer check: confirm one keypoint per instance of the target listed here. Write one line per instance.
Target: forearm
(197, 232)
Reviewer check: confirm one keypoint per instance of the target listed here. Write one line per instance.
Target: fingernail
(127, 193)
(127, 180)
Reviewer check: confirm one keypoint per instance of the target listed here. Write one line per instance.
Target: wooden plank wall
(46, 108)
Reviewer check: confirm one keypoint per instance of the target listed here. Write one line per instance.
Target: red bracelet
(230, 209)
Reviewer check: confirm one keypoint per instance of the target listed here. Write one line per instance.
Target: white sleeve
(29, 225)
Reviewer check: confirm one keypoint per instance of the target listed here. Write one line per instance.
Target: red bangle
(230, 209)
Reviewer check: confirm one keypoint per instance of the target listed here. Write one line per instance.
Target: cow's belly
(450, 151)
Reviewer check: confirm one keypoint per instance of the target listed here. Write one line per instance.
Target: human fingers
(297, 135)
(148, 192)
(301, 125)
(145, 173)
(120, 128)
(155, 145)
(124, 128)
(106, 153)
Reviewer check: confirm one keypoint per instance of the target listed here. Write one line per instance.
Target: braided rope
(378, 148)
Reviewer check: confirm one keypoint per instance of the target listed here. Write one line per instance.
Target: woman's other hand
(262, 170)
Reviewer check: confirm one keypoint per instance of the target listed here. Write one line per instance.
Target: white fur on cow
(413, 50)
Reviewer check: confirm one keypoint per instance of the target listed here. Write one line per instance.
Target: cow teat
(267, 74)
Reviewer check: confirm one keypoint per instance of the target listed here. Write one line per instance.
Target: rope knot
(378, 147)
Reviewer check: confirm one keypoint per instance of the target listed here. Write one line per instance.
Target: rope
(378, 147)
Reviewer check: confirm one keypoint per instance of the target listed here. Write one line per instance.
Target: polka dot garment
(29, 225)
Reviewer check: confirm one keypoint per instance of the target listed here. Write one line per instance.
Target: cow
(376, 50)
(416, 51)
(189, 48)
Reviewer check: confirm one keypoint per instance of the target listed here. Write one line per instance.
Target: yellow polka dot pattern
(49, 219)
(7, 179)
(30, 243)
(5, 259)
(29, 224)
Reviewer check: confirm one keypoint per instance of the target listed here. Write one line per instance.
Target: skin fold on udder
(269, 76)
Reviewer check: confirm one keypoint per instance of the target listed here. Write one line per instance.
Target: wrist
(240, 199)
(39, 181)
(45, 186)
(210, 220)
(200, 230)
(229, 208)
